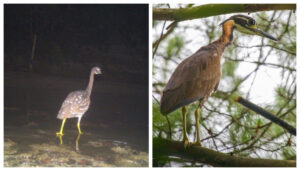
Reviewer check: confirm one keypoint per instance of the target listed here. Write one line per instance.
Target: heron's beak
(263, 34)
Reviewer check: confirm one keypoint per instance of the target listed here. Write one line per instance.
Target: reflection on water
(37, 147)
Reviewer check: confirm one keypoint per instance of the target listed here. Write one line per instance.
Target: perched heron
(196, 77)
(77, 103)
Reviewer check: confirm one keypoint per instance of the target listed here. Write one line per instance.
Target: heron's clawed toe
(186, 143)
(198, 143)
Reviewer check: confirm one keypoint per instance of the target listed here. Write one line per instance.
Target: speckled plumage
(75, 105)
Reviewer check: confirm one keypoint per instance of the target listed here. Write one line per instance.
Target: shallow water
(115, 128)
(34, 146)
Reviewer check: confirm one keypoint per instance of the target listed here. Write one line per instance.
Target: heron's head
(96, 70)
(246, 25)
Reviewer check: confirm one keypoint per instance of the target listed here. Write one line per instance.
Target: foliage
(174, 46)
(258, 69)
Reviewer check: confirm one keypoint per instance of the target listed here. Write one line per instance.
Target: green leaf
(175, 44)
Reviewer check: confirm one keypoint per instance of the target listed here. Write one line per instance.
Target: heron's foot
(197, 143)
(186, 143)
(60, 139)
(59, 134)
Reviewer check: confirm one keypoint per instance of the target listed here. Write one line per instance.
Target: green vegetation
(251, 67)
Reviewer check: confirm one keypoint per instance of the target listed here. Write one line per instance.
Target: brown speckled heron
(77, 103)
(196, 77)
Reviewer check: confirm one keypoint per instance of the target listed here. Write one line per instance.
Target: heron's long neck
(227, 35)
(90, 86)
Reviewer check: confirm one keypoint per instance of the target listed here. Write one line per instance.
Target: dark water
(115, 128)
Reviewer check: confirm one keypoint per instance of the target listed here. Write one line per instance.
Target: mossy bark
(163, 148)
(215, 9)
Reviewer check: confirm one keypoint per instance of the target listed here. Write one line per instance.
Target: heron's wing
(80, 103)
(193, 79)
(216, 86)
(71, 98)
(75, 104)
(82, 107)
(64, 111)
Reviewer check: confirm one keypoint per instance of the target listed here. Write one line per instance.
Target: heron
(77, 103)
(197, 76)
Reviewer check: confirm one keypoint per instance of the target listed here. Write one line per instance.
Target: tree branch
(163, 148)
(215, 9)
(266, 114)
(163, 36)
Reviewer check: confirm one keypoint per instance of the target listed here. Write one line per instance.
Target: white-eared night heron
(196, 77)
(77, 103)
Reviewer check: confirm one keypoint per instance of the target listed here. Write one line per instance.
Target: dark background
(74, 37)
(71, 39)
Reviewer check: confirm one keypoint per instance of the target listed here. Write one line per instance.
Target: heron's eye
(251, 22)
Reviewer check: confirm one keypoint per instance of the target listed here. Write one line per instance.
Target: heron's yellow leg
(61, 128)
(185, 138)
(79, 130)
(60, 139)
(197, 117)
(78, 126)
(77, 142)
